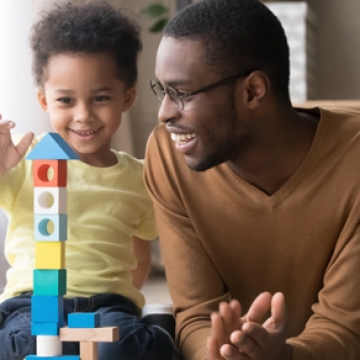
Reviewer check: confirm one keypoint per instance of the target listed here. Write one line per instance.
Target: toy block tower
(49, 158)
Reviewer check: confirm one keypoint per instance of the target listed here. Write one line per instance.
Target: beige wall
(339, 48)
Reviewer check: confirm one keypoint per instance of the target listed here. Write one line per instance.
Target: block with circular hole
(50, 200)
(47, 309)
(50, 173)
(50, 255)
(50, 227)
(49, 282)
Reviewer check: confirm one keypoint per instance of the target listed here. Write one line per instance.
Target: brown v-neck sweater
(222, 237)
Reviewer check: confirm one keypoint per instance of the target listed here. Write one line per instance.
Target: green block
(49, 282)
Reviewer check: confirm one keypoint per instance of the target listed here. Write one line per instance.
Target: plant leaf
(154, 10)
(159, 25)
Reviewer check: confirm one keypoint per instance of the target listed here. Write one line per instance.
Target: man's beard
(226, 149)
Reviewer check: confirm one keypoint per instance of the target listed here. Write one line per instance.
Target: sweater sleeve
(333, 331)
(186, 261)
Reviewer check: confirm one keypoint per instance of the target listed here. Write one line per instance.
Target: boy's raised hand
(10, 155)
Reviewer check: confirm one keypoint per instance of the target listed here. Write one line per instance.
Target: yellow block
(50, 255)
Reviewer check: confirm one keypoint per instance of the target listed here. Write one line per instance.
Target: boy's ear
(42, 99)
(130, 97)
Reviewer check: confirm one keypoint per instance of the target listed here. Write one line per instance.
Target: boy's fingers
(24, 143)
(5, 126)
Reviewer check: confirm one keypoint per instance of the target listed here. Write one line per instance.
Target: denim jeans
(137, 340)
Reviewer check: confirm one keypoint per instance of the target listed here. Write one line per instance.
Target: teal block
(49, 282)
(47, 309)
(41, 231)
(61, 357)
(84, 320)
(52, 147)
(44, 329)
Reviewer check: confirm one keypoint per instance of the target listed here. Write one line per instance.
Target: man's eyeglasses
(178, 96)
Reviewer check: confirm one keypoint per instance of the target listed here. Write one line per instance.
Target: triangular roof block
(52, 147)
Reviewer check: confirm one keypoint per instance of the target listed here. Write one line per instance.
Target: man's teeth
(182, 138)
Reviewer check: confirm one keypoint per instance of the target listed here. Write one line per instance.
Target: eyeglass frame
(181, 95)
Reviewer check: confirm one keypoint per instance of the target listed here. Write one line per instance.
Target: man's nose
(167, 111)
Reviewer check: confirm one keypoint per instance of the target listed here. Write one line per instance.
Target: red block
(56, 168)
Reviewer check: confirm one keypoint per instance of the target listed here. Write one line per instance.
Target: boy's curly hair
(91, 28)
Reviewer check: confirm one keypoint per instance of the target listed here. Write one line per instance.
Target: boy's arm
(10, 155)
(143, 257)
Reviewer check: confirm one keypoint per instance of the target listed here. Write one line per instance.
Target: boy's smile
(85, 99)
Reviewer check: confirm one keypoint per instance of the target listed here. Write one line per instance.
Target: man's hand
(10, 155)
(252, 340)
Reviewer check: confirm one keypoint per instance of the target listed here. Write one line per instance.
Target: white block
(47, 345)
(50, 200)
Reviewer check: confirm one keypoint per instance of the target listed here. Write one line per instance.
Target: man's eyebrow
(175, 83)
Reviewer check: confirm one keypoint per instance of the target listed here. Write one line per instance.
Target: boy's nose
(83, 113)
(167, 111)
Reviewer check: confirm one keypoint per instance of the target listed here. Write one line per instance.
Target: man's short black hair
(91, 28)
(237, 35)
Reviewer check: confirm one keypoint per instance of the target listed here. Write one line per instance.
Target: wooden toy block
(62, 357)
(105, 334)
(50, 200)
(48, 345)
(49, 282)
(84, 320)
(47, 309)
(52, 147)
(49, 173)
(44, 329)
(89, 351)
(50, 255)
(50, 227)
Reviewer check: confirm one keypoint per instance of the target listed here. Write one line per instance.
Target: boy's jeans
(137, 340)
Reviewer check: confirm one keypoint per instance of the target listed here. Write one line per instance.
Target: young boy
(85, 66)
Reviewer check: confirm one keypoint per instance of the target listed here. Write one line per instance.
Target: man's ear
(42, 99)
(257, 86)
(129, 99)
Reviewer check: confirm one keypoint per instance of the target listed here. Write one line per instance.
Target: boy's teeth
(86, 132)
(182, 138)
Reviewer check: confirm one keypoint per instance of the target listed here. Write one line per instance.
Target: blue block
(61, 357)
(41, 230)
(52, 147)
(44, 329)
(47, 309)
(49, 282)
(84, 320)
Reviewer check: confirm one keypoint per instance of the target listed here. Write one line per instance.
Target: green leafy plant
(159, 13)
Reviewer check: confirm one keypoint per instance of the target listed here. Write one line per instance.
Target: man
(257, 202)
